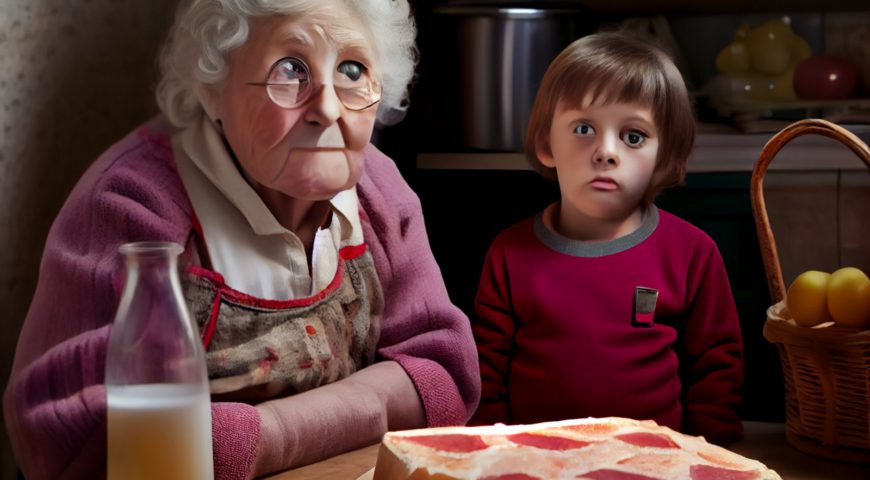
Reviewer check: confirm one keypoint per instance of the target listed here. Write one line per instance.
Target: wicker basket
(826, 368)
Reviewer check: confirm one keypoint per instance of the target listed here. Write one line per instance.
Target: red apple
(825, 77)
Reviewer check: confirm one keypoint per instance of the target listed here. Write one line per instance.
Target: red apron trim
(351, 252)
(208, 333)
(345, 254)
(200, 237)
(210, 275)
(245, 299)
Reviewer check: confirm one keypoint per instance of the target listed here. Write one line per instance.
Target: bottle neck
(151, 261)
(152, 269)
(152, 322)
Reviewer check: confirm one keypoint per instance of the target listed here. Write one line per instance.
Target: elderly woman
(261, 167)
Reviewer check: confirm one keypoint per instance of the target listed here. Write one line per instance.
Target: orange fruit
(849, 297)
(807, 298)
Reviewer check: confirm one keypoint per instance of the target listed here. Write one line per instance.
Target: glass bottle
(159, 413)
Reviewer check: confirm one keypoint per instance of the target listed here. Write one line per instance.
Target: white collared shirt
(246, 244)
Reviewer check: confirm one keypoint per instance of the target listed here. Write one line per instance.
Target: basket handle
(769, 254)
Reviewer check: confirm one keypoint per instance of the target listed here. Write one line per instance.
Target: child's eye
(584, 129)
(633, 138)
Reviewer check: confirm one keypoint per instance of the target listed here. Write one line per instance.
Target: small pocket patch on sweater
(644, 306)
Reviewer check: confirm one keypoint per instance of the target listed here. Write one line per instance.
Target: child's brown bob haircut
(617, 68)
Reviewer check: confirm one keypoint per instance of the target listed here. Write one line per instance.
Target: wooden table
(764, 442)
(347, 466)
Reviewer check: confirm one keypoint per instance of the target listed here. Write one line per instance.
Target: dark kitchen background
(76, 76)
(479, 70)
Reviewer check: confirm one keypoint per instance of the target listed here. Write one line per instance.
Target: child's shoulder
(518, 233)
(678, 230)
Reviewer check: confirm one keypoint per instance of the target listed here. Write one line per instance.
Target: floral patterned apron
(258, 349)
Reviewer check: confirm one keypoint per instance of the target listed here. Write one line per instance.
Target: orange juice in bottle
(159, 412)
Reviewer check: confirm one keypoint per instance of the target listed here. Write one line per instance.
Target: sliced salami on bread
(593, 448)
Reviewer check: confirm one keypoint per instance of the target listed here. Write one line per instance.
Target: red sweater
(561, 335)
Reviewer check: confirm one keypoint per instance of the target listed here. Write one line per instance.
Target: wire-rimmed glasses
(289, 84)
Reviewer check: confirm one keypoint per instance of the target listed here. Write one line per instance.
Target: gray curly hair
(205, 30)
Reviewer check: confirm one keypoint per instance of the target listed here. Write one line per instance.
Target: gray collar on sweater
(577, 248)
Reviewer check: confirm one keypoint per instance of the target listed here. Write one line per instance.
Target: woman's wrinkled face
(313, 150)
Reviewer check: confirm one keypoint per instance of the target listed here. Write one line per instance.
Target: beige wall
(74, 77)
(819, 219)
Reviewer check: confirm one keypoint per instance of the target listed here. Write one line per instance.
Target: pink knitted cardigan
(55, 402)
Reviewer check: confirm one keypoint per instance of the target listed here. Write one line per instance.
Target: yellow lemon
(734, 58)
(849, 297)
(770, 47)
(807, 298)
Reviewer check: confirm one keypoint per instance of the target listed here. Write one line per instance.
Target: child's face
(604, 156)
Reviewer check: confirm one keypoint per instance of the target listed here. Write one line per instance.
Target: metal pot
(503, 53)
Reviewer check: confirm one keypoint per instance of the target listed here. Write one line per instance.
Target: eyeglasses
(289, 84)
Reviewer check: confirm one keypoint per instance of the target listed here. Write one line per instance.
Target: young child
(602, 304)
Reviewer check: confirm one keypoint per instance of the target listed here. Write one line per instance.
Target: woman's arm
(55, 402)
(345, 415)
(421, 329)
(55, 409)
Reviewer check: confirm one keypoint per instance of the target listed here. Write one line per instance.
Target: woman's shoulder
(382, 183)
(144, 152)
(146, 149)
(132, 186)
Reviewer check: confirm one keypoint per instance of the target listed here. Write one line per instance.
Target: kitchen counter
(763, 441)
(717, 149)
